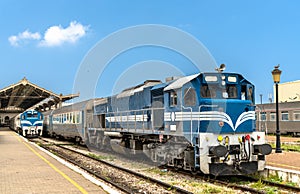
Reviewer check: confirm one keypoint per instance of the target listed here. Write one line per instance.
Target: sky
(52, 42)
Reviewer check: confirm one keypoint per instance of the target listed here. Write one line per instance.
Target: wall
(288, 92)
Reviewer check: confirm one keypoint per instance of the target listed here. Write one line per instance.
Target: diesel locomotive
(201, 123)
(29, 123)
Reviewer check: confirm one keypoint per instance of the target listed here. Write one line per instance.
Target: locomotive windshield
(32, 115)
(226, 86)
(216, 91)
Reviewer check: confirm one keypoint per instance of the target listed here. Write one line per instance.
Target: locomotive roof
(138, 88)
(180, 82)
(87, 104)
(184, 80)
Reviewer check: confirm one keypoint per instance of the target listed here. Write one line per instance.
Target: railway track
(280, 186)
(247, 184)
(124, 179)
(240, 183)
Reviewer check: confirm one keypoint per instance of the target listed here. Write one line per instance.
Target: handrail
(199, 110)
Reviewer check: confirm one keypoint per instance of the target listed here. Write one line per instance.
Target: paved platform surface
(287, 160)
(26, 169)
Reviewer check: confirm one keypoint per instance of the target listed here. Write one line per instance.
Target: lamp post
(276, 78)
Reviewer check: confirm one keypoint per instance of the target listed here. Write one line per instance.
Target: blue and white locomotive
(203, 122)
(31, 123)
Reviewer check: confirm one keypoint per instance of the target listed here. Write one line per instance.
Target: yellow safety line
(55, 168)
(284, 165)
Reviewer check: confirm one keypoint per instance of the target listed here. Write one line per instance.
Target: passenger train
(201, 123)
(289, 117)
(29, 123)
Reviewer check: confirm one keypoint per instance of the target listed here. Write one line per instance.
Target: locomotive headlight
(218, 151)
(220, 138)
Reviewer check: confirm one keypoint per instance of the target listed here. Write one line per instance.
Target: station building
(288, 92)
(24, 95)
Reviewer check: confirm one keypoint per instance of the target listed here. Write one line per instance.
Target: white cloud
(57, 35)
(54, 35)
(23, 37)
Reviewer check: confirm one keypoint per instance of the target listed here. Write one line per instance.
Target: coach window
(73, 118)
(189, 97)
(273, 116)
(173, 98)
(284, 116)
(296, 115)
(263, 116)
(78, 117)
(67, 118)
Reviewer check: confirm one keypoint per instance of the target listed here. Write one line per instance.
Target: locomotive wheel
(99, 141)
(194, 171)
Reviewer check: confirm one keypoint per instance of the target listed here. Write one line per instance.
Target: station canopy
(24, 94)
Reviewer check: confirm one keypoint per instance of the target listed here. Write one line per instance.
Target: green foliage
(157, 171)
(287, 147)
(209, 190)
(99, 157)
(275, 178)
(258, 185)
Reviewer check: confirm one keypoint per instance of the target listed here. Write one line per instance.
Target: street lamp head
(276, 74)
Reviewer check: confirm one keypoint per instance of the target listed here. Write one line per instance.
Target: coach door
(100, 119)
(158, 109)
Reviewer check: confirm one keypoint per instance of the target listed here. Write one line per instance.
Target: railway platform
(285, 165)
(24, 168)
(288, 160)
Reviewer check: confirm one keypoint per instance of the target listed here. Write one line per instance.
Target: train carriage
(289, 117)
(15, 124)
(70, 122)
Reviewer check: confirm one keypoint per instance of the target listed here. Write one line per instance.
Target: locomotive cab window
(189, 97)
(173, 98)
(208, 91)
(247, 93)
(231, 91)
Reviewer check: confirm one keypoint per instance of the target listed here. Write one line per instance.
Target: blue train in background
(29, 123)
(202, 123)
